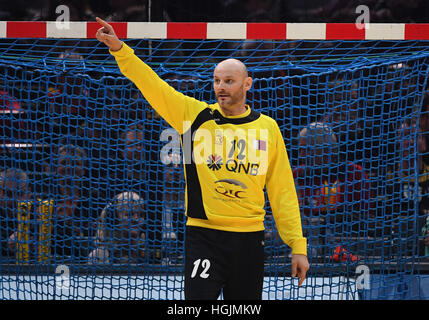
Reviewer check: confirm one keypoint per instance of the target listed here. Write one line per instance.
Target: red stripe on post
(26, 29)
(119, 27)
(344, 31)
(182, 30)
(416, 31)
(266, 31)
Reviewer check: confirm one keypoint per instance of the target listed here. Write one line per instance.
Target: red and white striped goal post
(208, 30)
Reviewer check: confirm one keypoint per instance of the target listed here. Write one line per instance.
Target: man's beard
(233, 100)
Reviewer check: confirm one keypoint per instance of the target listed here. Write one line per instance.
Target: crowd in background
(88, 175)
(218, 10)
(103, 171)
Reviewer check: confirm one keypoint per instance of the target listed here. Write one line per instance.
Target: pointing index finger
(103, 23)
(301, 278)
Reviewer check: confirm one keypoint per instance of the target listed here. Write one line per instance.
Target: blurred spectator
(424, 122)
(333, 195)
(409, 201)
(174, 202)
(130, 169)
(119, 237)
(425, 235)
(14, 188)
(343, 115)
(424, 171)
(12, 125)
(99, 134)
(139, 168)
(72, 208)
(68, 100)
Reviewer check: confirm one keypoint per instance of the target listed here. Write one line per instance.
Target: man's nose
(221, 85)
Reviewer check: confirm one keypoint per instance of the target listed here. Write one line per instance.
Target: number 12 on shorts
(205, 265)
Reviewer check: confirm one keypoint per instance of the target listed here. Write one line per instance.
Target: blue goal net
(92, 206)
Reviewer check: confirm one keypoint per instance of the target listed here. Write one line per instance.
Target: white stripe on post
(147, 30)
(226, 30)
(385, 31)
(313, 31)
(61, 29)
(3, 29)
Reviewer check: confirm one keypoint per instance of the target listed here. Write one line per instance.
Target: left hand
(300, 267)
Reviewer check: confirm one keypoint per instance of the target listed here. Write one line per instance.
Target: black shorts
(220, 260)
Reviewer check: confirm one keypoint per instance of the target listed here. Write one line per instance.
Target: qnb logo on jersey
(231, 188)
(214, 162)
(236, 167)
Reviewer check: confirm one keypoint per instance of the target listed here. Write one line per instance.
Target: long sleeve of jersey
(173, 106)
(283, 198)
(228, 159)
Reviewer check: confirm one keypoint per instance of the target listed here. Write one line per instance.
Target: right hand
(107, 35)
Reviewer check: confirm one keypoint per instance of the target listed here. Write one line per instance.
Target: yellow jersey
(228, 160)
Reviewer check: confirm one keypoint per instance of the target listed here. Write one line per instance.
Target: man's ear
(248, 83)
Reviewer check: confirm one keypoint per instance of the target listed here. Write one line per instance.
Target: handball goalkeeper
(231, 153)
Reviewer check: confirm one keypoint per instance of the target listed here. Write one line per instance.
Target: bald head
(233, 65)
(230, 83)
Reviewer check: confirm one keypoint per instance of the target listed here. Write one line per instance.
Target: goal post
(349, 103)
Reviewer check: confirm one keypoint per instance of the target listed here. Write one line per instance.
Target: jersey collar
(221, 118)
(243, 115)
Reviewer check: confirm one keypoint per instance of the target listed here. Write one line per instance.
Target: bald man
(231, 153)
(231, 96)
